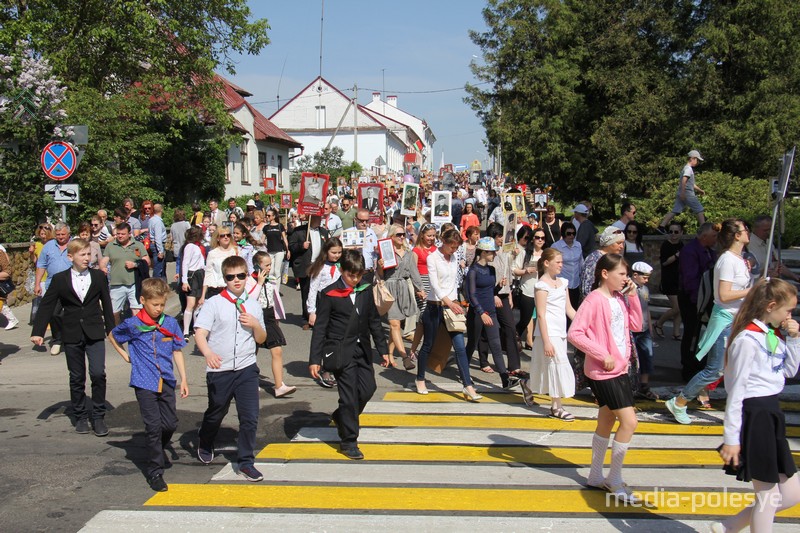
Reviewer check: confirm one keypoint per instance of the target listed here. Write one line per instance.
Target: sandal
(705, 405)
(487, 369)
(527, 393)
(659, 331)
(561, 414)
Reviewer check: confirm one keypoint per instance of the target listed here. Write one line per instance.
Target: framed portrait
(269, 185)
(386, 251)
(353, 238)
(410, 200)
(513, 202)
(313, 191)
(341, 181)
(510, 231)
(286, 201)
(442, 207)
(370, 197)
(540, 201)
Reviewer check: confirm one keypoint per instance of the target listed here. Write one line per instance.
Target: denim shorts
(120, 293)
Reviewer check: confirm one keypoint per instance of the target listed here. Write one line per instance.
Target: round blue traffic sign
(59, 160)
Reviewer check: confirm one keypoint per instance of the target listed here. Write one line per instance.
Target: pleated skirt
(552, 375)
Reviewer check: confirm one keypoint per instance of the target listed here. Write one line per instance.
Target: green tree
(328, 161)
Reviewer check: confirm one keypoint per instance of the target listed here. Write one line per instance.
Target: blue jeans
(159, 270)
(644, 347)
(714, 366)
(431, 319)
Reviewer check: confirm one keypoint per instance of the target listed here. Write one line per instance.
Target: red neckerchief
(238, 302)
(752, 326)
(347, 291)
(202, 249)
(151, 325)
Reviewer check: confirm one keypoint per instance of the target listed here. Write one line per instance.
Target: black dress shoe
(100, 428)
(352, 453)
(82, 426)
(157, 483)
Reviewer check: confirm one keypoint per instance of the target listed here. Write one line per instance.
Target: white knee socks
(618, 451)
(599, 447)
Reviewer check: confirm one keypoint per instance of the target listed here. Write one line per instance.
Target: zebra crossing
(438, 463)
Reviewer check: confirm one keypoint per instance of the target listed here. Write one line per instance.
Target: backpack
(705, 296)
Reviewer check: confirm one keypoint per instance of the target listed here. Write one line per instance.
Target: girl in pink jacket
(601, 329)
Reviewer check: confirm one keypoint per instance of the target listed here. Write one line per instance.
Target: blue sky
(423, 45)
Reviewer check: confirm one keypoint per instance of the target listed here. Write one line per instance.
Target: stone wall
(20, 264)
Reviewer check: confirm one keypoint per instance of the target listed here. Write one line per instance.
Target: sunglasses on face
(398, 234)
(362, 220)
(538, 237)
(675, 232)
(240, 275)
(45, 227)
(225, 235)
(569, 234)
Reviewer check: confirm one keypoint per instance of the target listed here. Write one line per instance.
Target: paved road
(429, 463)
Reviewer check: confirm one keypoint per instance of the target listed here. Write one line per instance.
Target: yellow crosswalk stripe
(451, 499)
(511, 398)
(535, 422)
(536, 455)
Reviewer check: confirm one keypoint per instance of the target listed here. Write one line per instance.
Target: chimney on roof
(391, 100)
(376, 97)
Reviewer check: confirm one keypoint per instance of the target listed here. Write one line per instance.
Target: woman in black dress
(670, 252)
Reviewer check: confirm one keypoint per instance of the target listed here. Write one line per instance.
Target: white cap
(642, 268)
(580, 208)
(695, 153)
(251, 202)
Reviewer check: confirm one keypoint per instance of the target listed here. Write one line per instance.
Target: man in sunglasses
(627, 214)
(228, 330)
(347, 213)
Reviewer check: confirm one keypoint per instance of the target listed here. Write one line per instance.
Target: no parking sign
(59, 160)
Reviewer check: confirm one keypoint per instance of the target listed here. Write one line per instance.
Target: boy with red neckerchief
(154, 341)
(228, 329)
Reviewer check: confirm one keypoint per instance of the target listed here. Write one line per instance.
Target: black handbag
(335, 356)
(6, 288)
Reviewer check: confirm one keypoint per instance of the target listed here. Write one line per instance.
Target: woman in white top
(732, 282)
(443, 274)
(193, 265)
(530, 244)
(222, 247)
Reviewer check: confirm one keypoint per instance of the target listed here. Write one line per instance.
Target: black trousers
(356, 384)
(56, 323)
(160, 422)
(508, 336)
(77, 354)
(305, 285)
(475, 329)
(223, 387)
(691, 331)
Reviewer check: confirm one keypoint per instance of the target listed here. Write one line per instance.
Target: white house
(264, 149)
(419, 126)
(321, 115)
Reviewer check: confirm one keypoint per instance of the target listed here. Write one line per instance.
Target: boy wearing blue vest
(154, 341)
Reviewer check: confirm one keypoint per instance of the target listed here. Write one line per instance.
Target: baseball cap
(486, 244)
(580, 208)
(611, 235)
(251, 202)
(642, 268)
(532, 214)
(695, 153)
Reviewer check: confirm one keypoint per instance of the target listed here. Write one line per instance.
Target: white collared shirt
(443, 276)
(81, 282)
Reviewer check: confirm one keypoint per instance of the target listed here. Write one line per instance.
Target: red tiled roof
(264, 129)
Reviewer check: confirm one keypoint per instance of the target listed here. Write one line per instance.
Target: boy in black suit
(336, 304)
(81, 292)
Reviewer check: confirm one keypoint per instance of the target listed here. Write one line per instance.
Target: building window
(243, 154)
(320, 117)
(280, 171)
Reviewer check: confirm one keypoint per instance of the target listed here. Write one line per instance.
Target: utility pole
(355, 122)
(383, 97)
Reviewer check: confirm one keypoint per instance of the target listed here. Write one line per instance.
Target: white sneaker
(12, 324)
(56, 349)
(283, 390)
(716, 527)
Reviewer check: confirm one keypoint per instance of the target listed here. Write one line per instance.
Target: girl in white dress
(551, 372)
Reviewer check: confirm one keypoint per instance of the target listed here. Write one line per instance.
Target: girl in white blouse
(758, 361)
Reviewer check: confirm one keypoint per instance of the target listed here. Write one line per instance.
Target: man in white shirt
(759, 238)
(331, 221)
(627, 215)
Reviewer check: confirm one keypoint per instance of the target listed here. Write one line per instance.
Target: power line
(433, 91)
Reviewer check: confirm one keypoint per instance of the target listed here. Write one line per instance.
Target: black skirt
(195, 279)
(616, 392)
(765, 451)
(275, 336)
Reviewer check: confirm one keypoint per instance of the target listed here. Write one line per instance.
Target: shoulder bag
(383, 298)
(453, 322)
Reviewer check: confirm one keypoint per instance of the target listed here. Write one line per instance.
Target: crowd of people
(557, 282)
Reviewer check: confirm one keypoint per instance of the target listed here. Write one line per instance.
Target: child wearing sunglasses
(228, 330)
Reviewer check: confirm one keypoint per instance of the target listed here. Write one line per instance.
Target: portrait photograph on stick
(410, 200)
(442, 210)
(313, 190)
(370, 197)
(510, 233)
